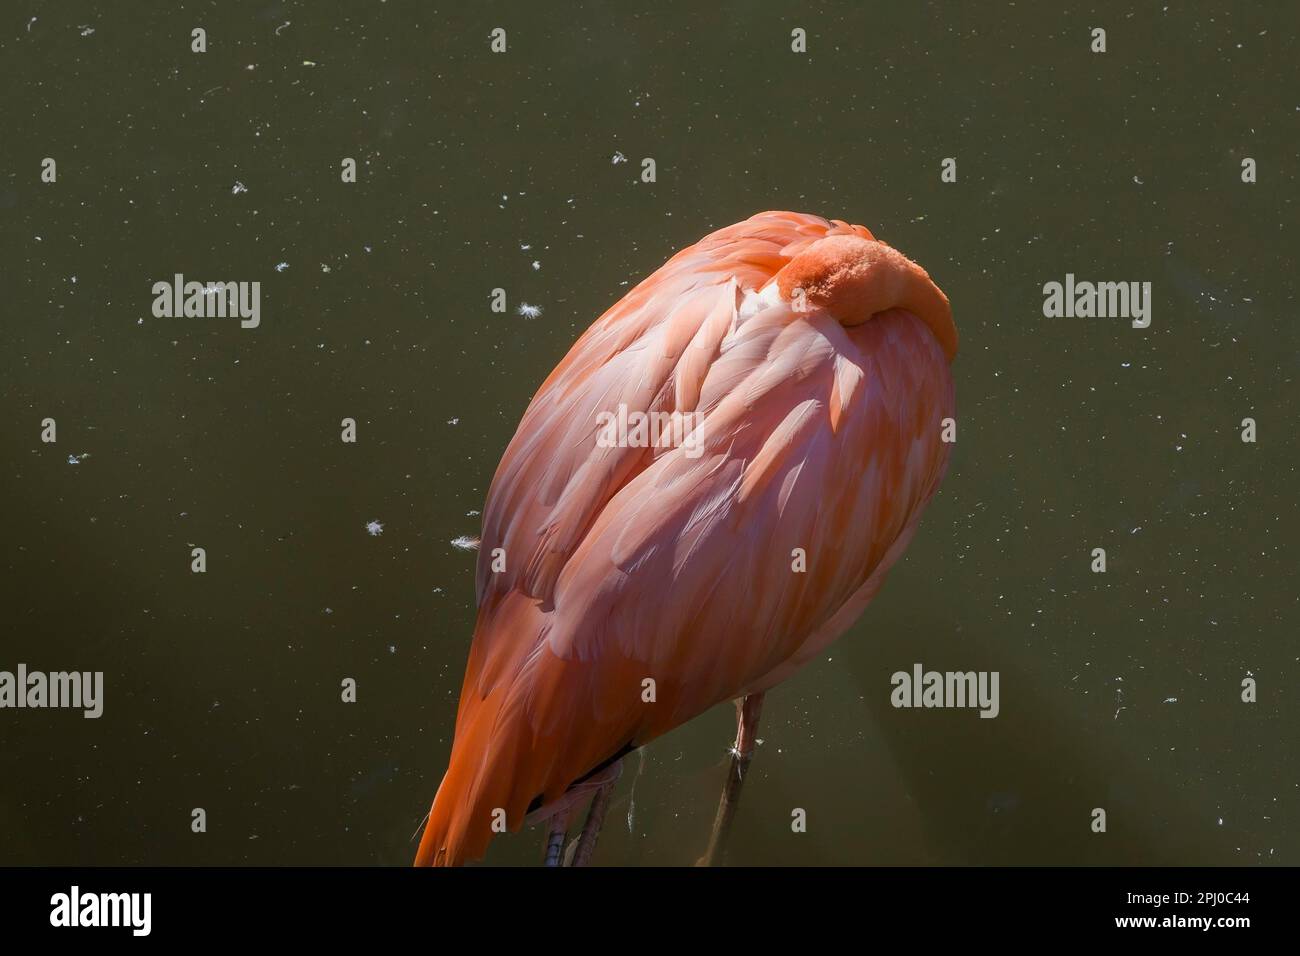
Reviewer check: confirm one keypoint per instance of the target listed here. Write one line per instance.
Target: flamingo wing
(650, 353)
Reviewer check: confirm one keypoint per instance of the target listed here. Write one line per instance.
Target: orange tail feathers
(460, 821)
(495, 766)
(439, 846)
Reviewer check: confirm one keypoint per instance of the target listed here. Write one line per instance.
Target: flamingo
(626, 587)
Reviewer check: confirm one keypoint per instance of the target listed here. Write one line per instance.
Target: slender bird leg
(747, 711)
(591, 829)
(556, 830)
(557, 813)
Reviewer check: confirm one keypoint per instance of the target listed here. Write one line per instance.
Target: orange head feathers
(854, 278)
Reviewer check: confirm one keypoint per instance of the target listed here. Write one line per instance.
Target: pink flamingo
(626, 586)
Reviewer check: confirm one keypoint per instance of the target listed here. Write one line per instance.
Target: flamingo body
(644, 585)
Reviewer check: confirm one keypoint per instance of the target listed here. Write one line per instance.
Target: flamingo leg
(557, 828)
(747, 712)
(558, 813)
(591, 829)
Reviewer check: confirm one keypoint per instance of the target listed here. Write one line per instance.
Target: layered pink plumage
(820, 436)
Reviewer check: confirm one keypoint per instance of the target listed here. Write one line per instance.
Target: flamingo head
(854, 278)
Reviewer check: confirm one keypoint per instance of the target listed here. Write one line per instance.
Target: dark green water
(1118, 690)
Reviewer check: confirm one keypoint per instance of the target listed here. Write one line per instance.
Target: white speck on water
(465, 543)
(85, 28)
(238, 188)
(374, 528)
(281, 27)
(618, 158)
(1170, 700)
(77, 459)
(536, 265)
(525, 246)
(29, 24)
(453, 421)
(392, 648)
(529, 311)
(281, 266)
(324, 267)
